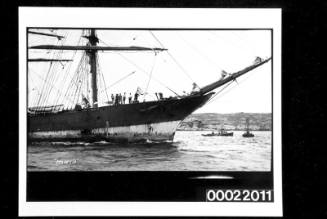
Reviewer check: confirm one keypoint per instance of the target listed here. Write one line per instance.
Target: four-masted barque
(132, 122)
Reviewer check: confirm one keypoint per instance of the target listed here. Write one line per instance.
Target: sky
(193, 56)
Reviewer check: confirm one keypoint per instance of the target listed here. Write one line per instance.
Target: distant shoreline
(230, 122)
(211, 130)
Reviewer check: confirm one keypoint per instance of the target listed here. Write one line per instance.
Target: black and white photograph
(134, 100)
(187, 105)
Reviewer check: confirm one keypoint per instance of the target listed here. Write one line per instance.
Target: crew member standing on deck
(116, 99)
(160, 95)
(113, 98)
(130, 98)
(120, 98)
(136, 96)
(124, 98)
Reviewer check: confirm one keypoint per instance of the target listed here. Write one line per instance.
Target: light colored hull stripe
(162, 130)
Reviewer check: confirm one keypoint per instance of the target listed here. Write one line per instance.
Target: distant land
(233, 121)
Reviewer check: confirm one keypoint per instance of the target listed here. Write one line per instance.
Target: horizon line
(233, 113)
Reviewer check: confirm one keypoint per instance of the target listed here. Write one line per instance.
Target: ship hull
(138, 122)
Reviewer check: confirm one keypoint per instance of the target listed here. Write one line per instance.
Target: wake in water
(189, 152)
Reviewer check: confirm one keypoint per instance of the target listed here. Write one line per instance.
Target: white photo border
(151, 18)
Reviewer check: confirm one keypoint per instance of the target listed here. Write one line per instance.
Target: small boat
(226, 133)
(222, 132)
(219, 134)
(210, 134)
(248, 134)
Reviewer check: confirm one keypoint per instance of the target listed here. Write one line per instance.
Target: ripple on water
(190, 151)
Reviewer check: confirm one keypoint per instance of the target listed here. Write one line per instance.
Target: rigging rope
(172, 57)
(38, 92)
(41, 98)
(216, 94)
(238, 83)
(101, 74)
(53, 74)
(75, 75)
(116, 82)
(200, 52)
(79, 79)
(51, 77)
(147, 86)
(58, 90)
(246, 42)
(142, 70)
(82, 78)
(234, 44)
(64, 79)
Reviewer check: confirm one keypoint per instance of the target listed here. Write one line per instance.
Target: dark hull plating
(119, 122)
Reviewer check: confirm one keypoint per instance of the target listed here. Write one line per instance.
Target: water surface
(190, 151)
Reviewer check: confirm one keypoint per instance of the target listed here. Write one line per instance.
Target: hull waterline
(138, 122)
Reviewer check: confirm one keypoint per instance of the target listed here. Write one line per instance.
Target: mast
(93, 40)
(247, 124)
(91, 50)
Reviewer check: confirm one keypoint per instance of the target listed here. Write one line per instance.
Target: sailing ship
(135, 121)
(248, 134)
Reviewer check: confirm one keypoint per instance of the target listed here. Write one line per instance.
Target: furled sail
(49, 60)
(46, 34)
(98, 48)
